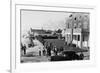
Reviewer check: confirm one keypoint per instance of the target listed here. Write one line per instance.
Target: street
(35, 59)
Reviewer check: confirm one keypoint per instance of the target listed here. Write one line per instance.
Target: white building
(77, 30)
(80, 37)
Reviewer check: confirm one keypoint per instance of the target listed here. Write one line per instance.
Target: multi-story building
(77, 30)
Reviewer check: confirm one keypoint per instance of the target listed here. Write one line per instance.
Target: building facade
(77, 30)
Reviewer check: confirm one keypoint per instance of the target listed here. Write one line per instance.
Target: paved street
(35, 59)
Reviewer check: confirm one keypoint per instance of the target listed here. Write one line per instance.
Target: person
(52, 53)
(55, 50)
(44, 51)
(49, 51)
(39, 51)
(24, 48)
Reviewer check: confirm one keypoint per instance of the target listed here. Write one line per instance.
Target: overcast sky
(42, 19)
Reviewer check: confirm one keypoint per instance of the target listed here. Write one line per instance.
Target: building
(37, 32)
(77, 30)
(41, 32)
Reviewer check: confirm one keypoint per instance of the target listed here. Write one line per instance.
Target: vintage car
(65, 56)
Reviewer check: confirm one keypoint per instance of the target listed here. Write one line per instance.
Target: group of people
(50, 49)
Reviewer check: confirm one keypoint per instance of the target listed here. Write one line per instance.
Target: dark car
(66, 55)
(72, 45)
(71, 55)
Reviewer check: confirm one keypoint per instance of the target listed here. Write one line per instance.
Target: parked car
(72, 45)
(66, 55)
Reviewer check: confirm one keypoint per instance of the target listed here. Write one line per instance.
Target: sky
(42, 20)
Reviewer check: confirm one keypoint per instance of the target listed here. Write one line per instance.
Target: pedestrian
(49, 51)
(24, 48)
(39, 51)
(52, 53)
(55, 50)
(44, 51)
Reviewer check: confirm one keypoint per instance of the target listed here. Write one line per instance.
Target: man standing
(39, 51)
(24, 48)
(44, 51)
(49, 50)
(55, 50)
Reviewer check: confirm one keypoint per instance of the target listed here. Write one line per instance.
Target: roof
(39, 31)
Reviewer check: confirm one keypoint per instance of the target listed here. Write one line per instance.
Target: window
(78, 37)
(74, 37)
